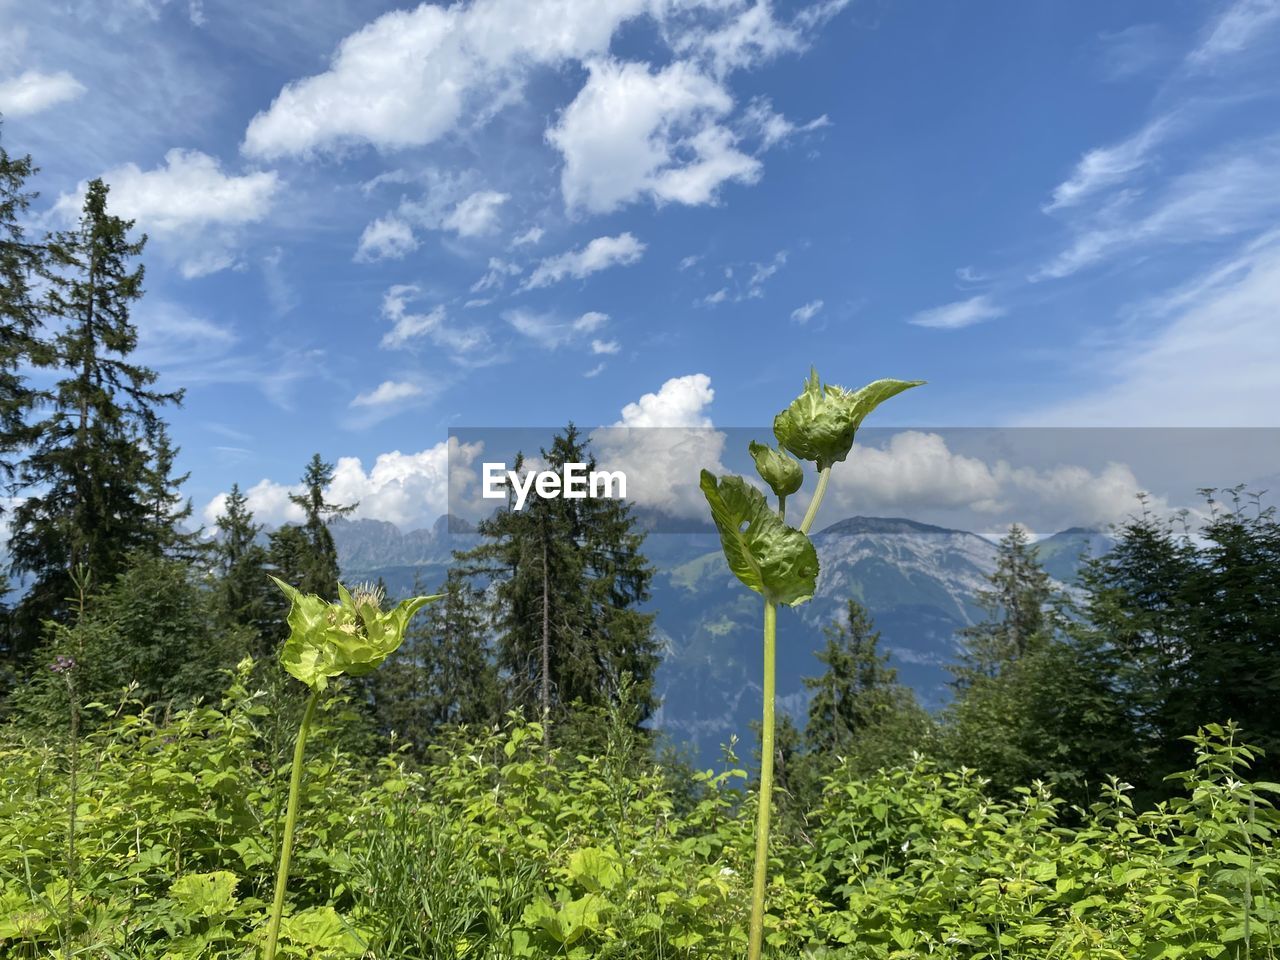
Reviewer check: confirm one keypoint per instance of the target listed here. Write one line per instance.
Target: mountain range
(919, 583)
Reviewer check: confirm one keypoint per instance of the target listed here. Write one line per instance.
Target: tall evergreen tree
(305, 555)
(20, 259)
(1017, 607)
(90, 470)
(443, 674)
(245, 597)
(569, 576)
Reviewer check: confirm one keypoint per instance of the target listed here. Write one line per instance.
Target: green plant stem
(766, 785)
(290, 821)
(809, 515)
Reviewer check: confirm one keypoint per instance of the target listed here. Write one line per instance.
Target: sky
(370, 224)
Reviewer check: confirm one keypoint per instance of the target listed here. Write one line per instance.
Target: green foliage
(153, 631)
(496, 847)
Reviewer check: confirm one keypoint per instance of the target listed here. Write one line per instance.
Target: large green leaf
(821, 423)
(781, 472)
(770, 557)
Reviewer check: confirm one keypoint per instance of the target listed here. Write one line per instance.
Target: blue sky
(371, 223)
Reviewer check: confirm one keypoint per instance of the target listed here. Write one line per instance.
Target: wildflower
(62, 664)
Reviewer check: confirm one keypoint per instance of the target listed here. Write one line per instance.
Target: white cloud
(772, 127)
(410, 76)
(408, 327)
(750, 38)
(551, 333)
(1212, 364)
(807, 312)
(600, 254)
(389, 391)
(529, 237)
(689, 261)
(31, 92)
(962, 313)
(386, 238)
(916, 472)
(477, 214)
(680, 402)
(632, 133)
(605, 346)
(407, 489)
(1107, 166)
(496, 275)
(662, 442)
(595, 371)
(1234, 192)
(188, 203)
(1235, 29)
(761, 272)
(188, 190)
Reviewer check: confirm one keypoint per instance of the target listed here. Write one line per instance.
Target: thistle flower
(62, 664)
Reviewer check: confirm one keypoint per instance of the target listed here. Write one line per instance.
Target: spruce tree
(245, 596)
(1017, 607)
(443, 673)
(569, 578)
(90, 470)
(305, 555)
(20, 260)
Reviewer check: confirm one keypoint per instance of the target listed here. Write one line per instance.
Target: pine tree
(245, 596)
(569, 576)
(90, 469)
(305, 555)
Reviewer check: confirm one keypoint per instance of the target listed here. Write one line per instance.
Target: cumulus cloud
(632, 133)
(408, 77)
(407, 489)
(188, 203)
(962, 313)
(386, 238)
(387, 392)
(477, 214)
(32, 92)
(661, 442)
(600, 254)
(917, 473)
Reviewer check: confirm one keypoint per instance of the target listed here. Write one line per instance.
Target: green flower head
(820, 424)
(351, 637)
(781, 472)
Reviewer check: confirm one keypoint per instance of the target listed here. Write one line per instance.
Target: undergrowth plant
(779, 561)
(328, 640)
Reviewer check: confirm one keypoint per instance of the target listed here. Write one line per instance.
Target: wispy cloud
(1108, 166)
(962, 313)
(32, 92)
(1238, 26)
(807, 312)
(387, 392)
(550, 332)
